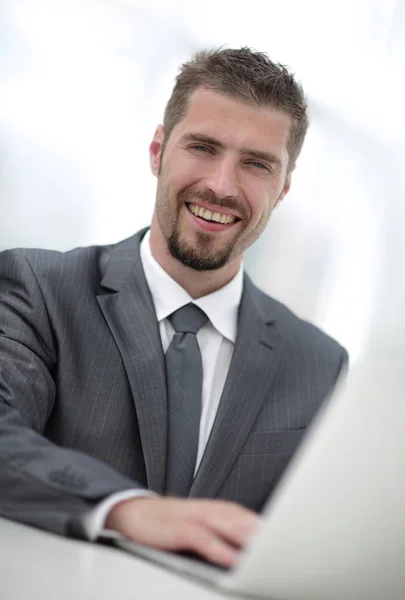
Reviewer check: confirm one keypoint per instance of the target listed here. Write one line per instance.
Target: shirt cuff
(93, 521)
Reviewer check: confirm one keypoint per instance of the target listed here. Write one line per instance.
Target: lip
(209, 225)
(213, 208)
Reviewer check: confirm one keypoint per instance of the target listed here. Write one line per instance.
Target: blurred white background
(83, 84)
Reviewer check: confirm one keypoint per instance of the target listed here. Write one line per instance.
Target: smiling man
(149, 387)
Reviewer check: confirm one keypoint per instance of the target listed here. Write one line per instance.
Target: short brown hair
(244, 74)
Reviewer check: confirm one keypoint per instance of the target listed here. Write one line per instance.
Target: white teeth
(208, 215)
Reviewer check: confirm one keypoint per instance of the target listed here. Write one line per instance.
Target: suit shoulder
(80, 261)
(298, 331)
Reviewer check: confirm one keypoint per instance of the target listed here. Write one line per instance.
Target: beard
(201, 257)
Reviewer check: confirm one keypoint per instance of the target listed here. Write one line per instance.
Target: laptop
(334, 529)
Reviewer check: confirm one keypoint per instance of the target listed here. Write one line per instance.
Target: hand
(215, 529)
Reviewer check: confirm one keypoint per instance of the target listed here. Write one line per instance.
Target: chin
(195, 257)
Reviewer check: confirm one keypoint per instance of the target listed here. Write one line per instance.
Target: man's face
(223, 170)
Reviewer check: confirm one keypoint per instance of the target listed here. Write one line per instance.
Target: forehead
(237, 124)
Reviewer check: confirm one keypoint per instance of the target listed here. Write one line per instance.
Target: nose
(222, 179)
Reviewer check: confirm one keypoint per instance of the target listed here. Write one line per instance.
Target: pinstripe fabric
(282, 369)
(83, 408)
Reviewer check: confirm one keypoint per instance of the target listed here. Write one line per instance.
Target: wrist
(117, 515)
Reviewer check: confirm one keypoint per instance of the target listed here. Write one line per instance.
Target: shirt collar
(221, 307)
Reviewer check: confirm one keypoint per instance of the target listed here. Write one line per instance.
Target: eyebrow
(206, 139)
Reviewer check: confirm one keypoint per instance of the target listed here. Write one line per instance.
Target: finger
(234, 524)
(209, 546)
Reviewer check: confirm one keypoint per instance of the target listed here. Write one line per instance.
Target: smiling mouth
(208, 215)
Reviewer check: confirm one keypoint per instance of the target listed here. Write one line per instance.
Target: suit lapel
(246, 388)
(128, 310)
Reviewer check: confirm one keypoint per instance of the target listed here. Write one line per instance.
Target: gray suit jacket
(83, 397)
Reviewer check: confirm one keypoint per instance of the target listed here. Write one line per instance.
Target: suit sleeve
(41, 484)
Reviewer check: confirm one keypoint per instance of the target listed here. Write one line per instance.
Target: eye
(259, 165)
(201, 148)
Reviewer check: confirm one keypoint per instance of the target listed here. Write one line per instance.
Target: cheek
(169, 185)
(261, 209)
(186, 169)
(180, 181)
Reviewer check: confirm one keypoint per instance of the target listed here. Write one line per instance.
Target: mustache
(210, 197)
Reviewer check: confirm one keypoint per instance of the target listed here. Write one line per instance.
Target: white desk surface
(42, 566)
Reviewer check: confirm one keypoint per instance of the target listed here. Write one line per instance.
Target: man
(136, 374)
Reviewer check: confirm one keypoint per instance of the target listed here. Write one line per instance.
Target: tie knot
(188, 319)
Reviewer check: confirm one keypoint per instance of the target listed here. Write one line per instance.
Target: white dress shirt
(216, 340)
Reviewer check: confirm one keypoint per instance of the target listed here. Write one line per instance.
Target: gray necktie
(184, 392)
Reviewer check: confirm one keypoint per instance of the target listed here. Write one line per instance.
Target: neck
(196, 283)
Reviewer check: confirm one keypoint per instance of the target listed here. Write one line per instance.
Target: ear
(286, 187)
(155, 150)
